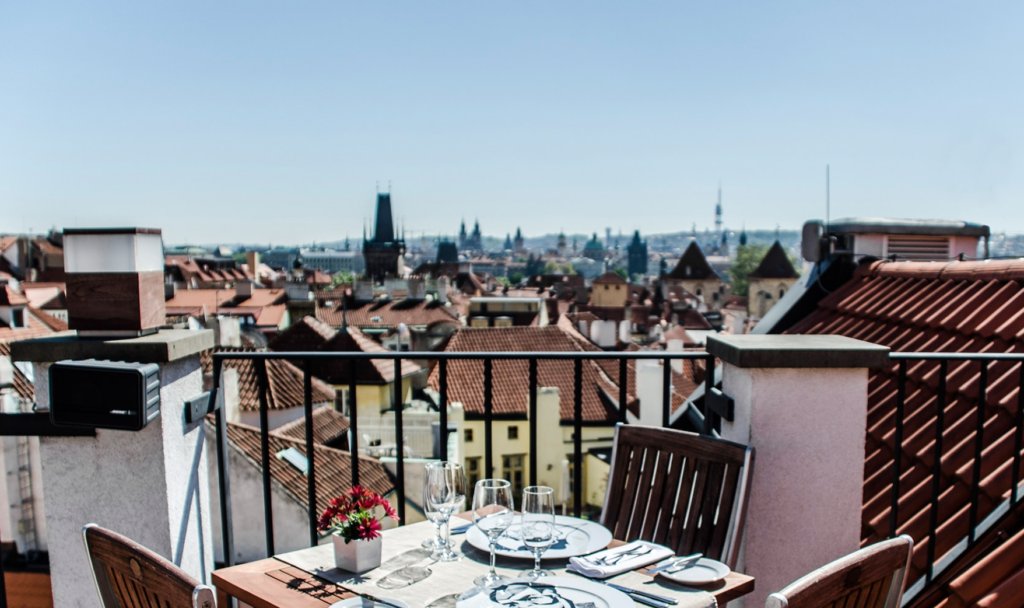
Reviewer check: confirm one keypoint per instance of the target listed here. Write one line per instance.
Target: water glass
(538, 528)
(444, 490)
(492, 513)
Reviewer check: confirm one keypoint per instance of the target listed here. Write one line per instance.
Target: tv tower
(718, 212)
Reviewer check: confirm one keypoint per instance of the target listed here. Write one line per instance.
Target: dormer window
(18, 319)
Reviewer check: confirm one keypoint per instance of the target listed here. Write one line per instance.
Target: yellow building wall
(607, 294)
(758, 304)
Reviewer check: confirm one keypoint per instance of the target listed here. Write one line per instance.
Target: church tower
(383, 252)
(637, 255)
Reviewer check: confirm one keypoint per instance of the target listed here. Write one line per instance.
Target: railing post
(1018, 430)
(307, 402)
(268, 512)
(488, 419)
(577, 439)
(353, 421)
(443, 406)
(979, 438)
(897, 448)
(223, 472)
(940, 428)
(623, 389)
(666, 393)
(533, 422)
(399, 442)
(709, 383)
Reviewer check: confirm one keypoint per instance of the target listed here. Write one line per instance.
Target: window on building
(472, 473)
(468, 435)
(17, 317)
(782, 292)
(513, 432)
(699, 292)
(606, 288)
(512, 470)
(617, 287)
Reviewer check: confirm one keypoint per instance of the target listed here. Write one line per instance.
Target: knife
(658, 598)
(676, 562)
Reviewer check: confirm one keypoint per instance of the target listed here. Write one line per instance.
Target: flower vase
(356, 556)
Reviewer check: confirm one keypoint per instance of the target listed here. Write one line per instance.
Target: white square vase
(358, 555)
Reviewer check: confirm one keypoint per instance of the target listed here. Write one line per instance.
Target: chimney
(649, 378)
(114, 284)
(243, 289)
(582, 326)
(417, 290)
(625, 332)
(252, 259)
(170, 290)
(602, 333)
(442, 290)
(503, 321)
(362, 291)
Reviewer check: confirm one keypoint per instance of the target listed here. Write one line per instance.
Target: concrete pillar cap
(817, 351)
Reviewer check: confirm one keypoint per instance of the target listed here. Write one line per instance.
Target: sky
(276, 122)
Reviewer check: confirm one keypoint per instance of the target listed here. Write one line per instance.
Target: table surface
(272, 583)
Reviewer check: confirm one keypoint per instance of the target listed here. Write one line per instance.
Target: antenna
(828, 202)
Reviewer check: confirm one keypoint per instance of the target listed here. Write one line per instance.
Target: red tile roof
(383, 314)
(309, 334)
(11, 297)
(333, 468)
(22, 385)
(933, 307)
(39, 324)
(329, 425)
(284, 380)
(609, 277)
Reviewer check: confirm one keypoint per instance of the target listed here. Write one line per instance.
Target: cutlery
(647, 601)
(614, 558)
(461, 529)
(377, 600)
(658, 598)
(677, 564)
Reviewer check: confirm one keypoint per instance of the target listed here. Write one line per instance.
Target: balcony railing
(305, 361)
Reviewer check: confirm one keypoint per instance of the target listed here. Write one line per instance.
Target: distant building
(280, 258)
(770, 281)
(447, 253)
(609, 289)
(518, 243)
(473, 241)
(332, 261)
(594, 249)
(562, 251)
(383, 253)
(508, 243)
(695, 275)
(637, 255)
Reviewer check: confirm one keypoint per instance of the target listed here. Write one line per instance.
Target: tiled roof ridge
(956, 270)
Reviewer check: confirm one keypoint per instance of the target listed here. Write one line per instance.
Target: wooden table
(271, 583)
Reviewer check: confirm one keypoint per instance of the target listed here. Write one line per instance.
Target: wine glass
(445, 489)
(433, 515)
(538, 527)
(492, 514)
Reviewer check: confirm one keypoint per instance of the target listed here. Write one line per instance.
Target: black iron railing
(712, 419)
(937, 569)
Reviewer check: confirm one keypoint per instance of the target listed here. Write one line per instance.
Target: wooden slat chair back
(128, 575)
(682, 490)
(872, 577)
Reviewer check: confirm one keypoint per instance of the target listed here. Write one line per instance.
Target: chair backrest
(869, 578)
(682, 490)
(128, 575)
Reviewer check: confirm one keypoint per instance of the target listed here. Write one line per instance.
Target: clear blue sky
(273, 121)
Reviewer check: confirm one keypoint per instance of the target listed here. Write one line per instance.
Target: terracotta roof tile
(934, 307)
(383, 314)
(329, 426)
(284, 379)
(609, 277)
(333, 468)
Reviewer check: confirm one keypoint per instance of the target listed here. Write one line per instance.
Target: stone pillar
(150, 485)
(801, 402)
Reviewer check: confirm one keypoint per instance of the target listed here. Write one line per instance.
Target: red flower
(368, 529)
(389, 510)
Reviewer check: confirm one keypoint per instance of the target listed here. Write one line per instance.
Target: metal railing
(937, 567)
(306, 360)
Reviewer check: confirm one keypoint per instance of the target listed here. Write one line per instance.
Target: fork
(614, 558)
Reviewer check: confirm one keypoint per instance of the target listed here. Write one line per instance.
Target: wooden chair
(128, 575)
(682, 490)
(870, 578)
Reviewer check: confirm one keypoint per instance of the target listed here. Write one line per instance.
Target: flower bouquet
(354, 523)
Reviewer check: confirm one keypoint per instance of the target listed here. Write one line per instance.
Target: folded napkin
(617, 560)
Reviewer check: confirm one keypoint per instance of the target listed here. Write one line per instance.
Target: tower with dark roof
(637, 255)
(770, 281)
(476, 240)
(697, 276)
(383, 252)
(447, 253)
(508, 242)
(517, 243)
(463, 237)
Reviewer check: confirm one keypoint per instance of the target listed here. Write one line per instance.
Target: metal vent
(919, 247)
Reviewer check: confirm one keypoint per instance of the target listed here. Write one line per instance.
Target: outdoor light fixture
(104, 394)
(115, 281)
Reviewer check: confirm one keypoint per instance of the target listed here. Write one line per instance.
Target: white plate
(703, 571)
(573, 537)
(362, 602)
(547, 592)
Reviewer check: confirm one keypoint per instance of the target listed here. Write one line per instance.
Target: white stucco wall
(150, 486)
(807, 427)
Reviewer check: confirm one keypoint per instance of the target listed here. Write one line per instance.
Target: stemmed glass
(444, 491)
(492, 514)
(538, 527)
(433, 515)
